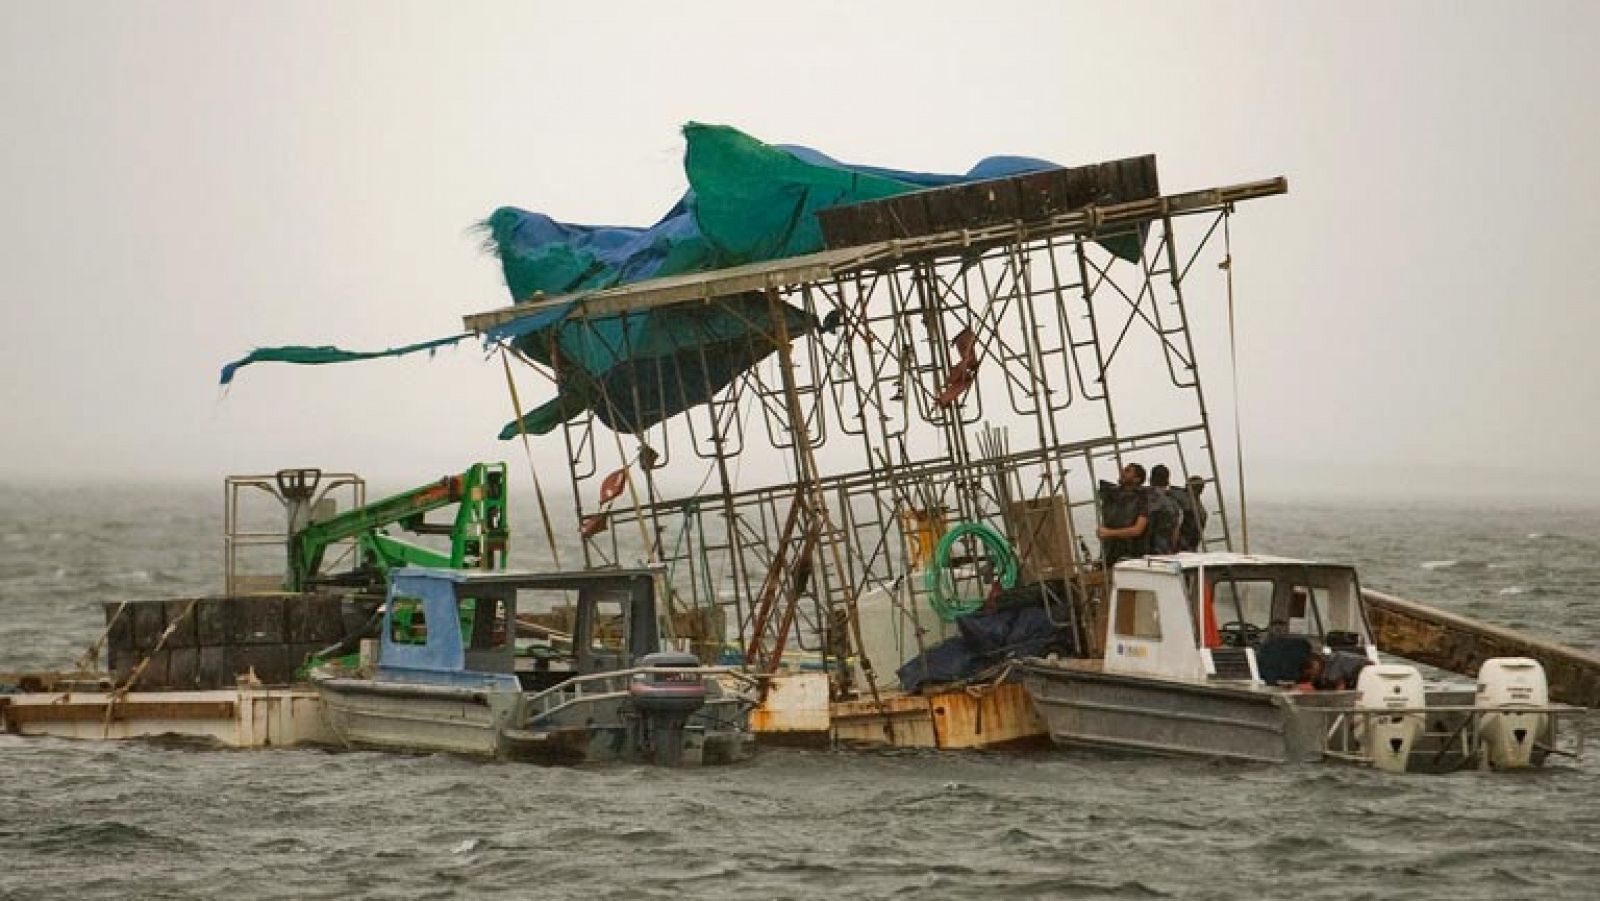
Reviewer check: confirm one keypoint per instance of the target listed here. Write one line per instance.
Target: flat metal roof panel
(694, 285)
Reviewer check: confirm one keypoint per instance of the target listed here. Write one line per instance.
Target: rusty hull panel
(900, 721)
(986, 718)
(794, 705)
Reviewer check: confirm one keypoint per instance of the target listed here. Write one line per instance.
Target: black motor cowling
(666, 699)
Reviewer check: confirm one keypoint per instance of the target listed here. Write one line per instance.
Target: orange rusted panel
(985, 718)
(894, 720)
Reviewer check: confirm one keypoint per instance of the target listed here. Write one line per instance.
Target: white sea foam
(1513, 589)
(1439, 564)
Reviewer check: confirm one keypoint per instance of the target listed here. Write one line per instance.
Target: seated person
(1342, 671)
(1281, 659)
(1310, 673)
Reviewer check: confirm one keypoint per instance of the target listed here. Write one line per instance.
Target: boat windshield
(1245, 605)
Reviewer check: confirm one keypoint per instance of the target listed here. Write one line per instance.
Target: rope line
(527, 450)
(1233, 361)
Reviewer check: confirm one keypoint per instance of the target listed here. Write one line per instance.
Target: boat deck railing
(613, 684)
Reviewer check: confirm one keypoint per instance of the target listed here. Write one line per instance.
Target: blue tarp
(985, 640)
(747, 202)
(540, 255)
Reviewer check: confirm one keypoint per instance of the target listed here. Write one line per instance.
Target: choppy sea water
(153, 820)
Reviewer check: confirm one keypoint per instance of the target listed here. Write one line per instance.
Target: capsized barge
(872, 388)
(939, 367)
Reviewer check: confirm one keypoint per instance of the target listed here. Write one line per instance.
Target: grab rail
(613, 683)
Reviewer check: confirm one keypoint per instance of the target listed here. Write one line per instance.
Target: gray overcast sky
(184, 181)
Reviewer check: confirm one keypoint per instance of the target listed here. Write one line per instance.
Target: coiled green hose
(941, 587)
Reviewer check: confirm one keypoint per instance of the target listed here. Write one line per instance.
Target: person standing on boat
(1166, 515)
(1124, 516)
(1193, 528)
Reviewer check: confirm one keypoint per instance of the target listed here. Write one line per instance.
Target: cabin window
(407, 622)
(1138, 615)
(610, 626)
(483, 626)
(545, 618)
(550, 616)
(1306, 612)
(1244, 601)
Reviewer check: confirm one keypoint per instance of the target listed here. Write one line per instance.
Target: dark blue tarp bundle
(985, 640)
(637, 370)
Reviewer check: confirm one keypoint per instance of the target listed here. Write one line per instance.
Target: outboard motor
(1505, 684)
(666, 700)
(1388, 740)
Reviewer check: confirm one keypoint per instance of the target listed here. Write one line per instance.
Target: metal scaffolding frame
(962, 376)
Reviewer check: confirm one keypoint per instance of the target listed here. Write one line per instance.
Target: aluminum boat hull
(1085, 707)
(423, 718)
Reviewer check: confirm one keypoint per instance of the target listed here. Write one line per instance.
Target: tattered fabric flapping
(311, 356)
(747, 202)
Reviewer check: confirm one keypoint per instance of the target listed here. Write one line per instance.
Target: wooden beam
(95, 711)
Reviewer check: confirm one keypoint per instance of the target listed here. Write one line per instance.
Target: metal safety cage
(961, 376)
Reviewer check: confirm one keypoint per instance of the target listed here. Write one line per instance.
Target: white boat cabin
(1237, 617)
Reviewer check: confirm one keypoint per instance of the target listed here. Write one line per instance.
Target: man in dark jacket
(1193, 528)
(1124, 516)
(1166, 516)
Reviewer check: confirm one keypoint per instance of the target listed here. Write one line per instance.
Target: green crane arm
(478, 536)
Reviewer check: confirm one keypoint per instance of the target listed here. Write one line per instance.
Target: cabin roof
(1188, 561)
(521, 577)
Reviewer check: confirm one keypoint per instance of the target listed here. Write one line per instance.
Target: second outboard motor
(1505, 684)
(1388, 739)
(666, 700)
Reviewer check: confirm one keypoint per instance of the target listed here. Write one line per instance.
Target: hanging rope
(941, 585)
(89, 660)
(1233, 360)
(527, 450)
(119, 693)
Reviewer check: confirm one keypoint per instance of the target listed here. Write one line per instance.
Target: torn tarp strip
(532, 322)
(304, 355)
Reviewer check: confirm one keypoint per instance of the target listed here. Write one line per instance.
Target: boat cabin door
(1149, 629)
(615, 623)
